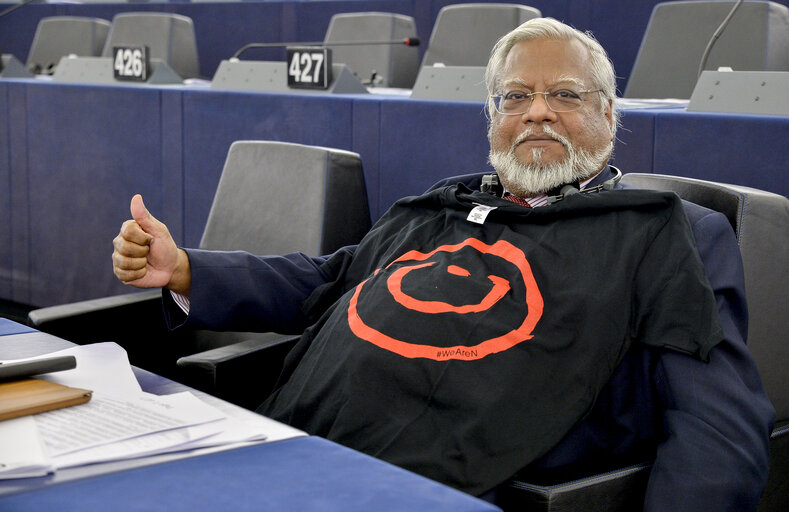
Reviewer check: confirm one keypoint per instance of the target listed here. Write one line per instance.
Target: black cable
(409, 41)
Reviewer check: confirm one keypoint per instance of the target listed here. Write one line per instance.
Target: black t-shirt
(464, 350)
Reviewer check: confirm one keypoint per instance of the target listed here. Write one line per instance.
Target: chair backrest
(667, 64)
(277, 197)
(169, 37)
(761, 222)
(395, 64)
(464, 34)
(59, 36)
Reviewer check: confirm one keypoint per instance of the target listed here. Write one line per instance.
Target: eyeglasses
(513, 103)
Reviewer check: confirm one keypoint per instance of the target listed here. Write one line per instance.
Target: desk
(300, 474)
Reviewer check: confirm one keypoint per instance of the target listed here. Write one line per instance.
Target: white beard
(529, 180)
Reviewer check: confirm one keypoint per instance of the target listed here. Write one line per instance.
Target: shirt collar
(542, 199)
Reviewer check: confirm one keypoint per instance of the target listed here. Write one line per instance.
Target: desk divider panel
(366, 140)
(425, 141)
(17, 270)
(634, 144)
(172, 115)
(739, 149)
(90, 149)
(6, 210)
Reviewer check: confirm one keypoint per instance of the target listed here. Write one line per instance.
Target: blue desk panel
(8, 327)
(86, 149)
(300, 475)
(634, 146)
(71, 157)
(6, 196)
(423, 141)
(731, 148)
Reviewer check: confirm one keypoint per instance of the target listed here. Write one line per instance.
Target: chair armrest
(135, 321)
(101, 319)
(620, 490)
(243, 373)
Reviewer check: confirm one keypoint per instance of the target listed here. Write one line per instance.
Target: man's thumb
(142, 216)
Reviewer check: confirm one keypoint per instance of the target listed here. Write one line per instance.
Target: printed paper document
(121, 421)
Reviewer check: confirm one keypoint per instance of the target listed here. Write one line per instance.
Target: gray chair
(321, 194)
(667, 64)
(394, 65)
(464, 34)
(59, 36)
(761, 222)
(169, 37)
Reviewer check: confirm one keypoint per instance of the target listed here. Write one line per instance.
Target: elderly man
(547, 323)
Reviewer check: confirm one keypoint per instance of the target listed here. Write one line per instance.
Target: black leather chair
(761, 222)
(272, 198)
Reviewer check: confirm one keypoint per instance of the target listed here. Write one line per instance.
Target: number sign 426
(131, 63)
(309, 67)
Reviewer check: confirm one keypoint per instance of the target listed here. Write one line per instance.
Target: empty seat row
(756, 38)
(170, 37)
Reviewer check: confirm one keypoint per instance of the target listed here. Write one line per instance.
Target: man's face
(542, 149)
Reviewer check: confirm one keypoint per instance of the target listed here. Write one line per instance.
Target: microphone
(491, 185)
(715, 36)
(408, 41)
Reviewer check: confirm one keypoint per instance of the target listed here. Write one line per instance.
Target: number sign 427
(131, 63)
(309, 67)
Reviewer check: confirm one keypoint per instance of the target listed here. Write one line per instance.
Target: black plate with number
(309, 67)
(130, 63)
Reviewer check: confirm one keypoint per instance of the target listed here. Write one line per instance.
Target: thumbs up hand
(145, 254)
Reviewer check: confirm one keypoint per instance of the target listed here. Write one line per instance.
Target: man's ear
(609, 114)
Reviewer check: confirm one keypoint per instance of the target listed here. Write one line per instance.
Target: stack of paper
(120, 421)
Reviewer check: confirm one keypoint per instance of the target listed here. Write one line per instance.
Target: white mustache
(547, 130)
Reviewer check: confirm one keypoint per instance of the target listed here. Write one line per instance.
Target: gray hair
(601, 68)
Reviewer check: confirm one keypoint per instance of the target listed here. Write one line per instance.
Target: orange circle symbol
(502, 249)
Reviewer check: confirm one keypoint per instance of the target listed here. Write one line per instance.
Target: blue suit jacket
(706, 426)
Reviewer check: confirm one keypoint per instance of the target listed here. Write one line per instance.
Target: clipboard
(31, 396)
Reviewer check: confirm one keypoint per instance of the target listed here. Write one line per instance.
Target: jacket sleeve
(716, 416)
(237, 291)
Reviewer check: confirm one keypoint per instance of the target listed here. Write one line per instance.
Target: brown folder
(31, 396)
